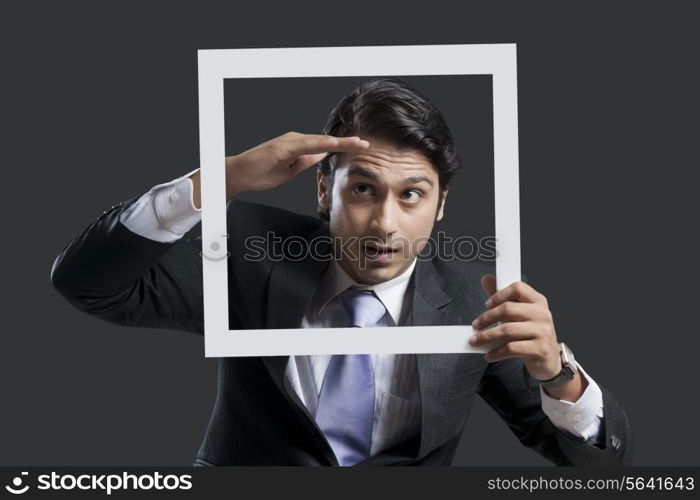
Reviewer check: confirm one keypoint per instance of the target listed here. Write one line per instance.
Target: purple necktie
(346, 404)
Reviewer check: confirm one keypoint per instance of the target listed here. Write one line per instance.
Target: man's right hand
(278, 160)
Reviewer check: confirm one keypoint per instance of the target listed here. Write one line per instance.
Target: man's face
(383, 206)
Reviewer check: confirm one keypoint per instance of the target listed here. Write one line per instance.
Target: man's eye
(362, 189)
(411, 195)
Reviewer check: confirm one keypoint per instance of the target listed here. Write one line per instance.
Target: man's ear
(441, 210)
(322, 190)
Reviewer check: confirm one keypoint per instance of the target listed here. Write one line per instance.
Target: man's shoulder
(244, 217)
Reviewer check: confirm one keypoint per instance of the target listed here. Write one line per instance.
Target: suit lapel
(276, 366)
(292, 285)
(429, 301)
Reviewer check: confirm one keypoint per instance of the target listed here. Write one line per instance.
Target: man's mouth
(379, 252)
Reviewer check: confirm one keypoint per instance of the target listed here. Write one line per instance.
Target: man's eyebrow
(363, 172)
(417, 179)
(357, 170)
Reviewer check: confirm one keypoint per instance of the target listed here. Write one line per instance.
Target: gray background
(257, 110)
(100, 103)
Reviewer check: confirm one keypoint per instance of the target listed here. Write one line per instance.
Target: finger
(506, 332)
(515, 349)
(306, 161)
(517, 291)
(511, 311)
(307, 144)
(488, 283)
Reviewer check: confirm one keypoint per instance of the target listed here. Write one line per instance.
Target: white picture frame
(215, 65)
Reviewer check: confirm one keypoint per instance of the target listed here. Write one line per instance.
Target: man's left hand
(526, 326)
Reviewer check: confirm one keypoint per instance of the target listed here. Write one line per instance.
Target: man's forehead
(383, 158)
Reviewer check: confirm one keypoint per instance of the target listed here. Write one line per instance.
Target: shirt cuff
(582, 418)
(165, 213)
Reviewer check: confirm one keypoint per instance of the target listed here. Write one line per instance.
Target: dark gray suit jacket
(112, 273)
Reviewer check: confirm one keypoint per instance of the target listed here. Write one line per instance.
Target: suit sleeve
(516, 398)
(115, 274)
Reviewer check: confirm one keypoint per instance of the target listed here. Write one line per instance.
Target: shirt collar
(390, 292)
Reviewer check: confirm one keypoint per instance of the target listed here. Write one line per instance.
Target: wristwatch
(569, 370)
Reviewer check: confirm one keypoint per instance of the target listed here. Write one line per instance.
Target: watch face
(567, 357)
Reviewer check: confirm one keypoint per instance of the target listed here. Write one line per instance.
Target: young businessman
(386, 158)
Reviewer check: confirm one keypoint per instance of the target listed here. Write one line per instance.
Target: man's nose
(384, 218)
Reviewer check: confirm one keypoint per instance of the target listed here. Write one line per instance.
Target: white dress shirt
(166, 212)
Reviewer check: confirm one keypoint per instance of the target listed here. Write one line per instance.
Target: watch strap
(567, 372)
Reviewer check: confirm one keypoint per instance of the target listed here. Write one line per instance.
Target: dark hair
(390, 109)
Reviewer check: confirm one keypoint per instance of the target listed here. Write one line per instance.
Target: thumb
(488, 283)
